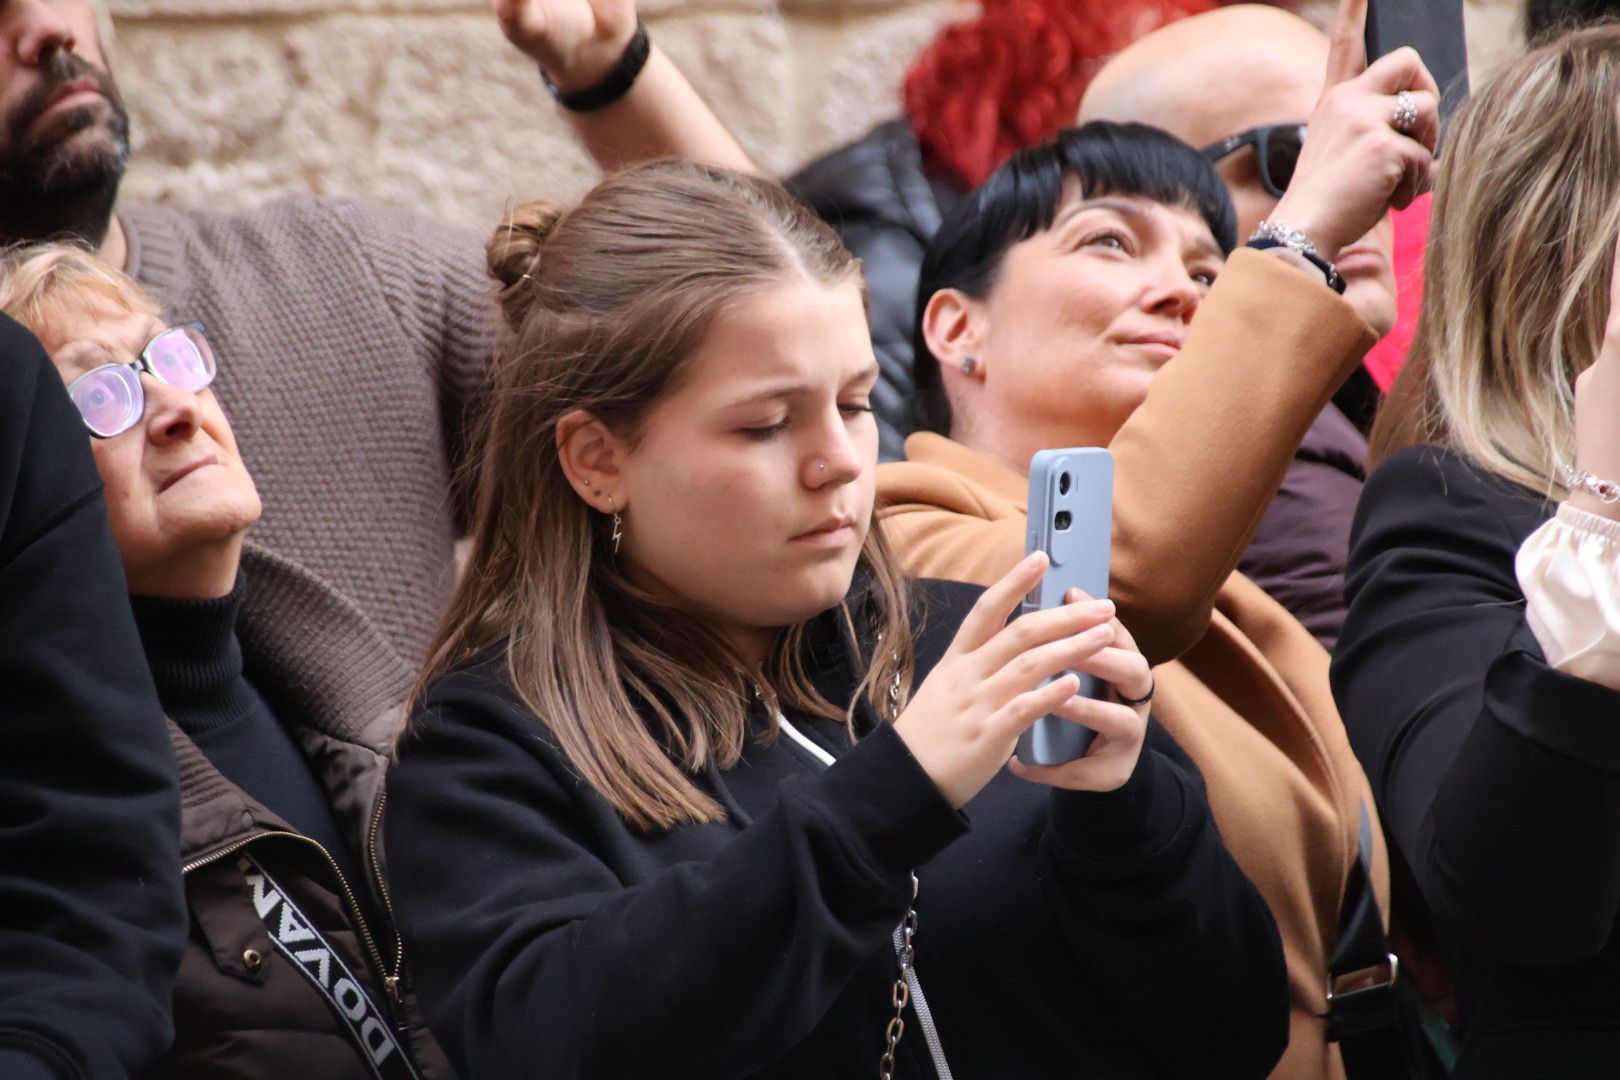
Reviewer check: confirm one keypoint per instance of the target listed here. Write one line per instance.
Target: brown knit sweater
(350, 342)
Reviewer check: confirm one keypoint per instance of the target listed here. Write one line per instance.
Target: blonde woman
(1479, 670)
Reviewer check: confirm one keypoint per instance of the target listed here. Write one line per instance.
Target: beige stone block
(205, 95)
(742, 66)
(849, 70)
(429, 111)
(248, 9)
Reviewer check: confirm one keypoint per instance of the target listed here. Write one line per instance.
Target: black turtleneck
(196, 662)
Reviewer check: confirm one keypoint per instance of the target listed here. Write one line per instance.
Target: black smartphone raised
(1435, 29)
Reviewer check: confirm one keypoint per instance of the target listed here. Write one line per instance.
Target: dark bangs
(1021, 199)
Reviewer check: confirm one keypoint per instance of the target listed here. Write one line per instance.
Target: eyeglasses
(1276, 148)
(110, 398)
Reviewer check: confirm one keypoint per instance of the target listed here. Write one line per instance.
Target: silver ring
(1406, 112)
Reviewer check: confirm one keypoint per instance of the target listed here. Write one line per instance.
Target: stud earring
(968, 365)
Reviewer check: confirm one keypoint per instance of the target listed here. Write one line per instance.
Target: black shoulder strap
(1363, 1013)
(301, 943)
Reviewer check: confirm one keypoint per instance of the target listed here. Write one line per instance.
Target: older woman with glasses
(282, 700)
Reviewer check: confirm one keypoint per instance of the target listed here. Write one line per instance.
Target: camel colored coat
(1240, 683)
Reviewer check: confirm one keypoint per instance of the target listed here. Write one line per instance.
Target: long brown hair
(1516, 289)
(604, 305)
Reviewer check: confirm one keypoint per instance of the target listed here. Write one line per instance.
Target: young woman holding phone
(700, 785)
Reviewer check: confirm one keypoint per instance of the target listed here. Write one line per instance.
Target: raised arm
(1199, 462)
(1204, 455)
(578, 43)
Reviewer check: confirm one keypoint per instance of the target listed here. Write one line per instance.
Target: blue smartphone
(1071, 518)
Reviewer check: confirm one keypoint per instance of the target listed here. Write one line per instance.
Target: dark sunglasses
(110, 398)
(1276, 148)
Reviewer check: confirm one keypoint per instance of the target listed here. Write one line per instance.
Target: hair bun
(513, 255)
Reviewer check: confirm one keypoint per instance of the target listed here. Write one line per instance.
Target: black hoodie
(1060, 934)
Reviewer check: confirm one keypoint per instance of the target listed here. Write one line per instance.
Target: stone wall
(422, 103)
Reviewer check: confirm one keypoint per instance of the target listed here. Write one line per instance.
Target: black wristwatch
(612, 86)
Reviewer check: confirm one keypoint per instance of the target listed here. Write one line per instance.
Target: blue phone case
(1071, 518)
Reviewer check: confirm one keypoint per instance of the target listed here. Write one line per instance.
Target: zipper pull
(391, 984)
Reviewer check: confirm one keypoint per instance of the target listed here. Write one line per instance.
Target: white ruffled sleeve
(1569, 570)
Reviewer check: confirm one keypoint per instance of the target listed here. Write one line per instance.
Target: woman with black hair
(1056, 308)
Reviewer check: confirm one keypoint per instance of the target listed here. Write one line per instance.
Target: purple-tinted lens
(109, 398)
(182, 358)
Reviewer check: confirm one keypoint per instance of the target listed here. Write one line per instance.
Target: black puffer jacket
(259, 996)
(1060, 934)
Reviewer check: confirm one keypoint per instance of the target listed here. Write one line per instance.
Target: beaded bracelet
(1607, 491)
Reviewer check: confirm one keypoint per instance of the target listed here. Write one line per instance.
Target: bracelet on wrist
(1274, 234)
(1606, 491)
(612, 86)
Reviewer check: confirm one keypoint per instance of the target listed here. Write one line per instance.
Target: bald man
(1205, 79)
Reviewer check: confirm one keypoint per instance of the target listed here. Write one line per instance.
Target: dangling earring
(968, 364)
(617, 535)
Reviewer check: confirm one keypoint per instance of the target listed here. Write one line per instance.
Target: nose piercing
(822, 465)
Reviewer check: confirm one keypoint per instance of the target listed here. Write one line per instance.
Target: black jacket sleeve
(1147, 896)
(534, 958)
(92, 923)
(1498, 775)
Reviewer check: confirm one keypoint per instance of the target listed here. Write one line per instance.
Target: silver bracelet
(1607, 491)
(1273, 234)
(1289, 237)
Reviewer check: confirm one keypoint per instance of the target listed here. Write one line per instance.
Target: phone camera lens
(1062, 521)
(1063, 483)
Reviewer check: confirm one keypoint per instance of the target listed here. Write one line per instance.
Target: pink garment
(1569, 571)
(1411, 235)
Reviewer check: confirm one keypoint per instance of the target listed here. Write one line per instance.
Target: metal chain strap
(907, 953)
(901, 996)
